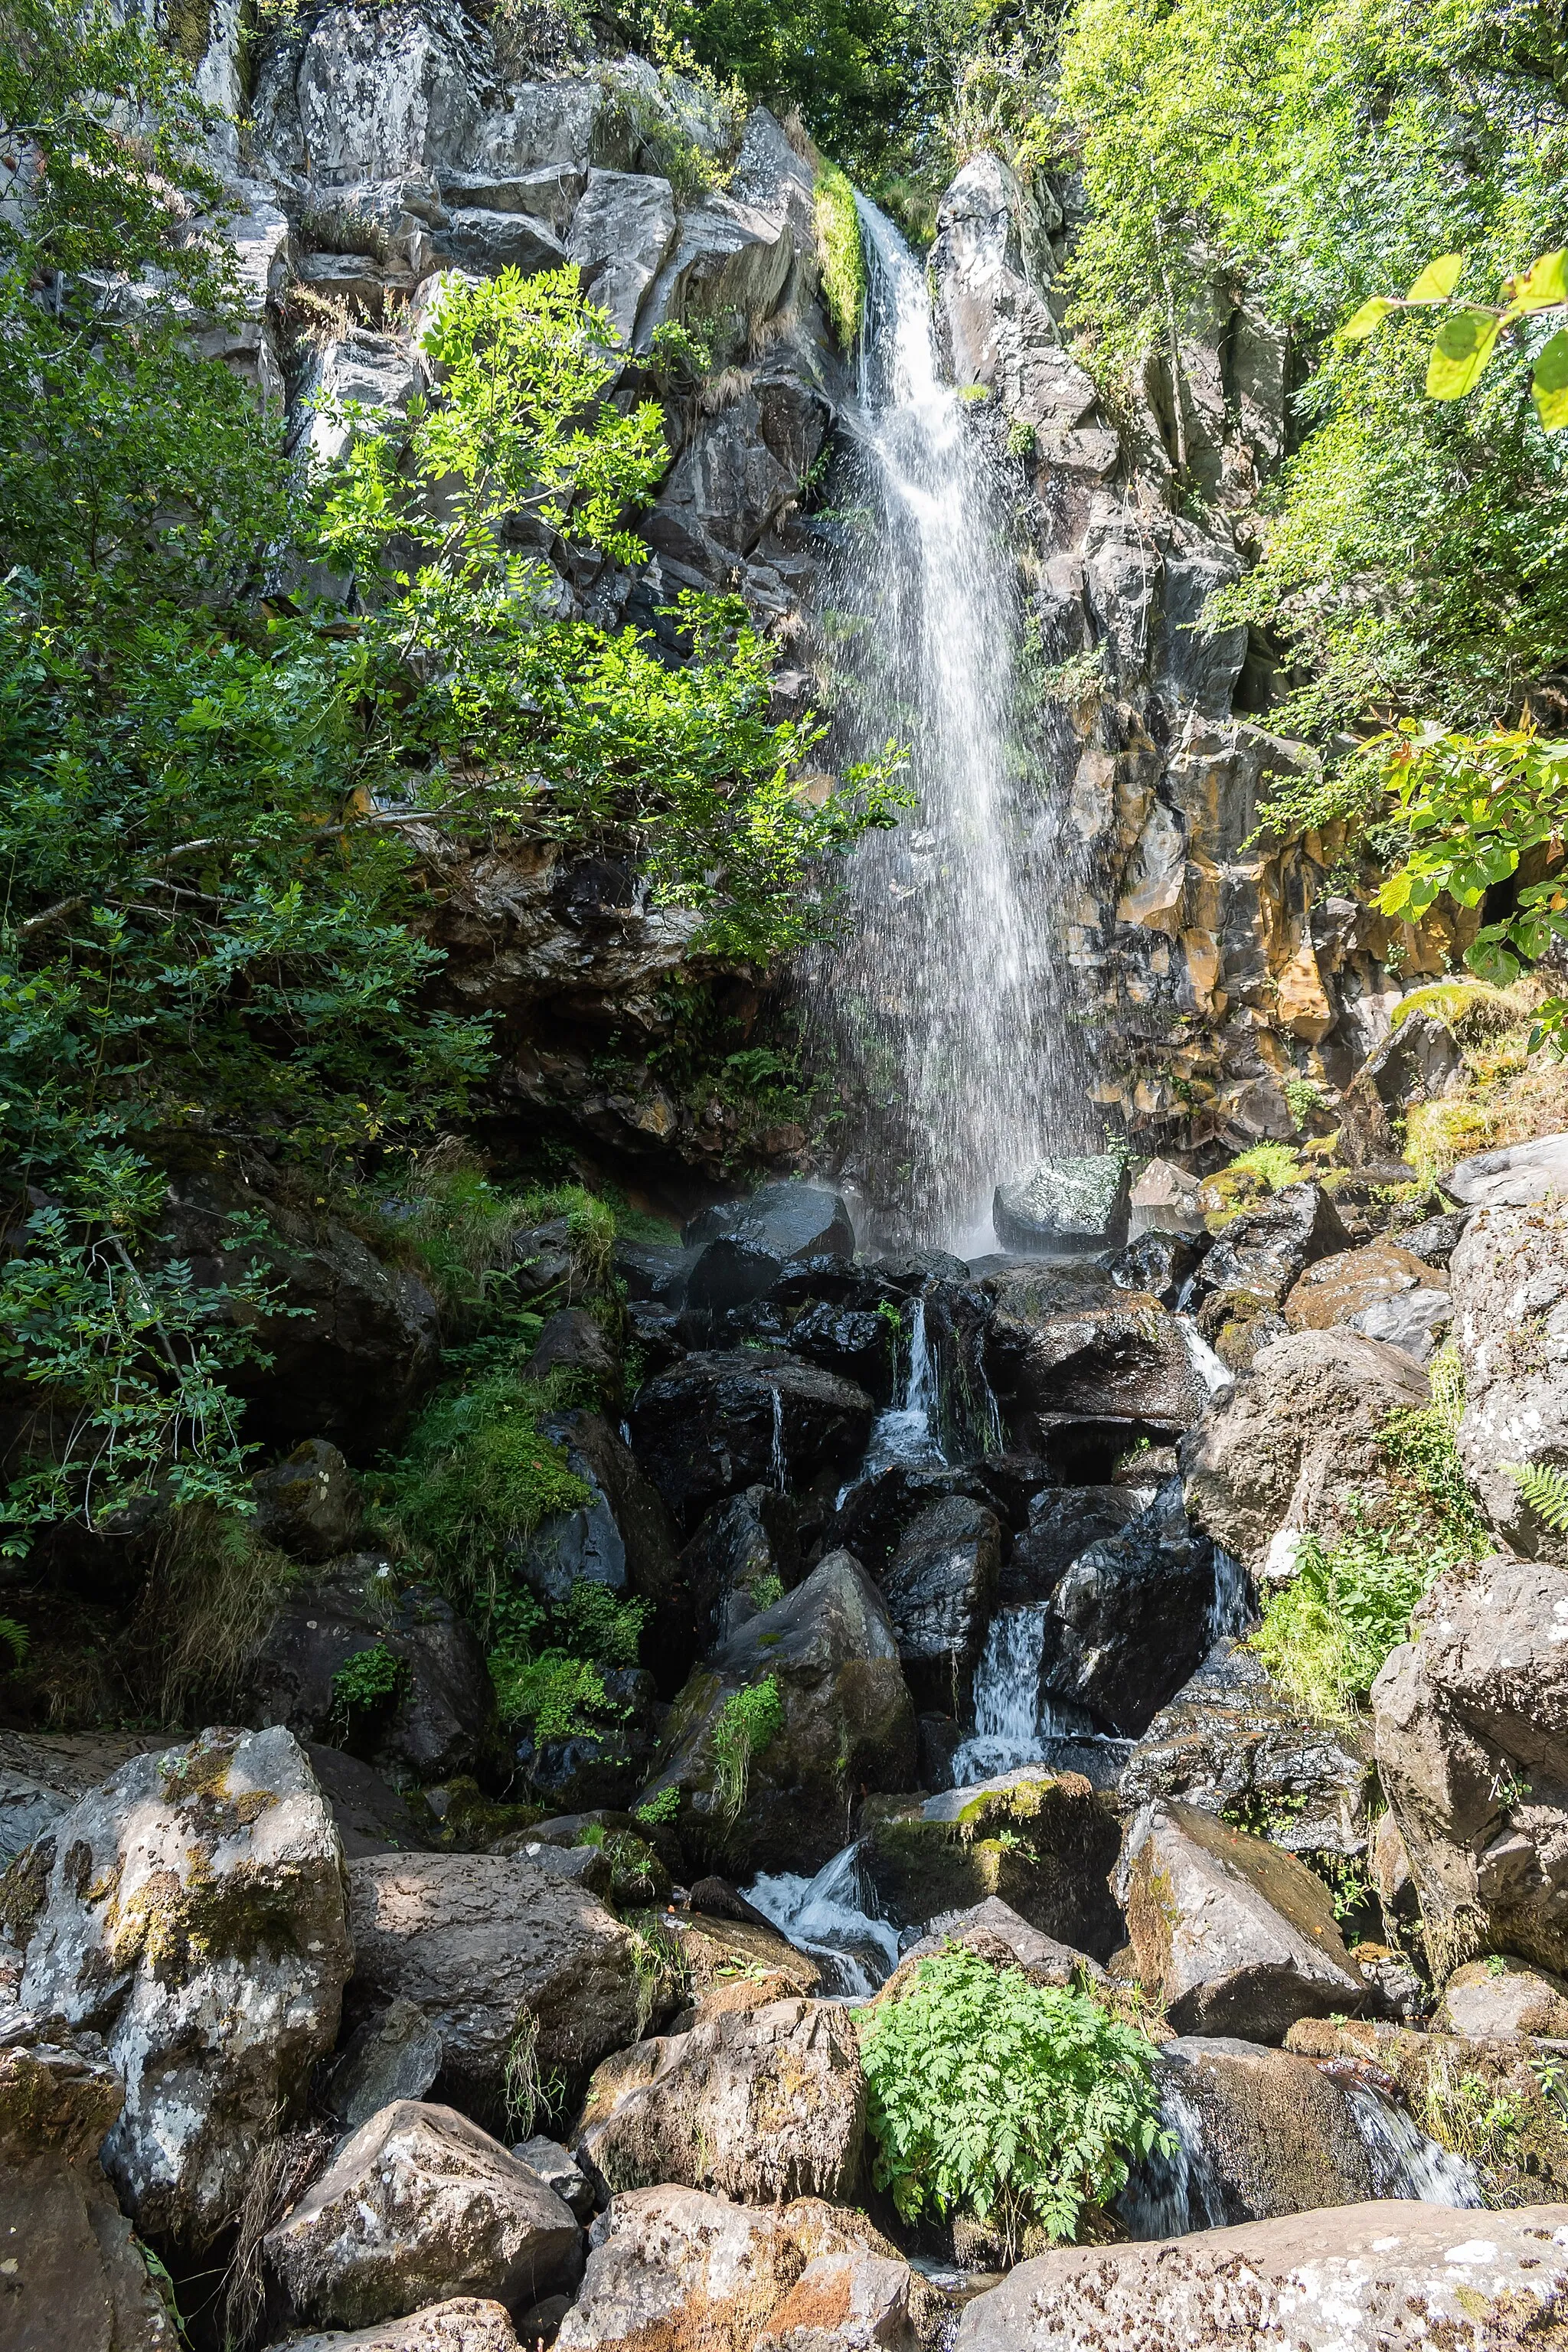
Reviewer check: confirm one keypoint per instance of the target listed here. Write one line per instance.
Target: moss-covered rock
(1042, 1841)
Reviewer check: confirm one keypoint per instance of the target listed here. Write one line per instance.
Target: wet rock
(73, 2279)
(1511, 1179)
(599, 1768)
(395, 2054)
(1132, 1618)
(1281, 1450)
(759, 2104)
(372, 1817)
(1233, 1934)
(472, 1941)
(1158, 1263)
(653, 1271)
(1470, 1719)
(466, 2324)
(418, 2206)
(677, 2265)
(309, 1505)
(1065, 1205)
(1040, 1841)
(859, 1347)
(1065, 1522)
(1263, 1252)
(1067, 1341)
(1338, 1289)
(1366, 2278)
(1502, 1995)
(746, 1551)
(792, 1220)
(847, 1724)
(731, 1271)
(439, 1715)
(1510, 1282)
(719, 1422)
(871, 1519)
(939, 1590)
(573, 1340)
(191, 1911)
(542, 1260)
(1277, 2134)
(1230, 1742)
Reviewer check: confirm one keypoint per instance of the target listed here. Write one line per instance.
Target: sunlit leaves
(1438, 279)
(1463, 345)
(1550, 389)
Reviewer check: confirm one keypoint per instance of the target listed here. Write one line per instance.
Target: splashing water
(1404, 2162)
(907, 1432)
(1230, 1611)
(1008, 1710)
(950, 999)
(778, 1468)
(1167, 2194)
(827, 1917)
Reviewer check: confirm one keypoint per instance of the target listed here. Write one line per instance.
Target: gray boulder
(676, 2266)
(792, 1219)
(1282, 1451)
(735, 250)
(1509, 1278)
(489, 242)
(73, 2278)
(999, 1933)
(939, 1590)
(481, 1944)
(466, 2323)
(417, 2206)
(309, 1504)
(1418, 1320)
(1365, 2278)
(719, 1422)
(1417, 1061)
(1266, 1250)
(620, 1537)
(191, 1911)
(848, 1725)
(574, 1341)
(1511, 1179)
(1471, 1725)
(1436, 1239)
(621, 232)
(1504, 1996)
(1067, 1206)
(560, 2171)
(759, 2104)
(1233, 1934)
(1133, 1617)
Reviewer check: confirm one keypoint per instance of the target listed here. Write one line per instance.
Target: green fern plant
(1545, 1488)
(15, 1638)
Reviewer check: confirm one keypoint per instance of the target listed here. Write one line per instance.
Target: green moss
(840, 253)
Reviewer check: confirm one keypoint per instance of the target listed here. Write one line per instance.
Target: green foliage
(476, 1477)
(559, 1696)
(367, 1681)
(1274, 1165)
(1302, 1100)
(659, 1809)
(598, 1625)
(1017, 2102)
(547, 1665)
(839, 253)
(1470, 333)
(745, 1725)
(1544, 1487)
(765, 1589)
(15, 1638)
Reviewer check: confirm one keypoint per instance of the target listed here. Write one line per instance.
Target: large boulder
(1065, 1206)
(620, 1537)
(621, 231)
(847, 1724)
(791, 1220)
(1041, 1841)
(417, 2206)
(192, 1912)
(495, 1951)
(1281, 1451)
(998, 1933)
(761, 2105)
(1340, 1288)
(466, 2323)
(939, 1590)
(72, 2275)
(1471, 1725)
(1069, 1341)
(1133, 1617)
(719, 1422)
(1514, 1178)
(1363, 2278)
(677, 2267)
(746, 1551)
(309, 1504)
(1263, 1251)
(1064, 1522)
(1232, 1935)
(437, 1714)
(1501, 1996)
(1508, 1279)
(1230, 1743)
(43, 1773)
(1268, 2132)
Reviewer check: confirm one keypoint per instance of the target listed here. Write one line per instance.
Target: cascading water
(906, 1432)
(827, 1917)
(948, 999)
(1404, 2162)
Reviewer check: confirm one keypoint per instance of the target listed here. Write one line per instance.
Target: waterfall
(1404, 2162)
(827, 1917)
(1008, 1727)
(907, 1432)
(947, 1002)
(1168, 2194)
(778, 1467)
(1230, 1611)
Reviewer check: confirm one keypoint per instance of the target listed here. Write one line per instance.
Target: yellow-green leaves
(1551, 386)
(1544, 284)
(1368, 319)
(1464, 345)
(1437, 280)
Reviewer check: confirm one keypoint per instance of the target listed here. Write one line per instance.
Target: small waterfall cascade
(1230, 1611)
(949, 999)
(1011, 1721)
(1404, 2162)
(1169, 2194)
(827, 1916)
(907, 1432)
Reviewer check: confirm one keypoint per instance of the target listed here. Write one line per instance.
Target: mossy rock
(1042, 1841)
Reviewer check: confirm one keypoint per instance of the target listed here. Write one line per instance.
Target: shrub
(477, 1477)
(840, 253)
(662, 1806)
(1017, 2102)
(367, 1681)
(746, 1724)
(561, 1697)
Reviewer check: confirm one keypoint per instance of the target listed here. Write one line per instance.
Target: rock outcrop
(1040, 1841)
(1509, 1277)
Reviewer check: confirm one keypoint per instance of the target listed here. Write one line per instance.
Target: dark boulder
(653, 1271)
(1157, 1264)
(1041, 1841)
(1064, 1523)
(309, 1504)
(1263, 1252)
(372, 1817)
(939, 1588)
(791, 1219)
(743, 1557)
(621, 1537)
(841, 1339)
(1069, 1342)
(731, 1272)
(721, 1422)
(1132, 1618)
(804, 1280)
(574, 1341)
(1418, 1060)
(598, 1767)
(871, 1519)
(541, 1261)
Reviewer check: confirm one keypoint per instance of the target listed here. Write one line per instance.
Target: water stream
(949, 999)
(828, 1917)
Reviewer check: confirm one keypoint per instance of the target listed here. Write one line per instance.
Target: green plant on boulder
(746, 1724)
(367, 1681)
(1020, 2103)
(839, 252)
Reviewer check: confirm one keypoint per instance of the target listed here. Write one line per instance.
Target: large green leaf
(1437, 280)
(1367, 319)
(1551, 385)
(1543, 284)
(1463, 346)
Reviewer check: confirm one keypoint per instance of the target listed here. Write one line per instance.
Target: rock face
(1510, 1284)
(1263, 1252)
(1504, 1996)
(418, 2206)
(848, 1725)
(939, 1589)
(73, 2275)
(309, 1505)
(466, 2324)
(760, 2105)
(474, 1941)
(1471, 1725)
(679, 2267)
(1238, 1936)
(1368, 2278)
(1277, 1452)
(1511, 1179)
(1277, 2134)
(191, 1911)
(1132, 1617)
(719, 1422)
(1041, 1841)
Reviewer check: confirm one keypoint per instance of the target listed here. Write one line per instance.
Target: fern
(1545, 1488)
(15, 1639)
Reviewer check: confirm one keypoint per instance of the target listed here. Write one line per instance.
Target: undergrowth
(746, 1724)
(548, 1664)
(1020, 2104)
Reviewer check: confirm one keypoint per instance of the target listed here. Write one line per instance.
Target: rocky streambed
(403, 2039)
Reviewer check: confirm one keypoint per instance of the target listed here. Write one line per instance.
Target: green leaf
(1437, 280)
(1544, 284)
(1463, 346)
(1550, 390)
(1367, 319)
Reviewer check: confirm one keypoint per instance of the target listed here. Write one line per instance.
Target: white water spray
(827, 1917)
